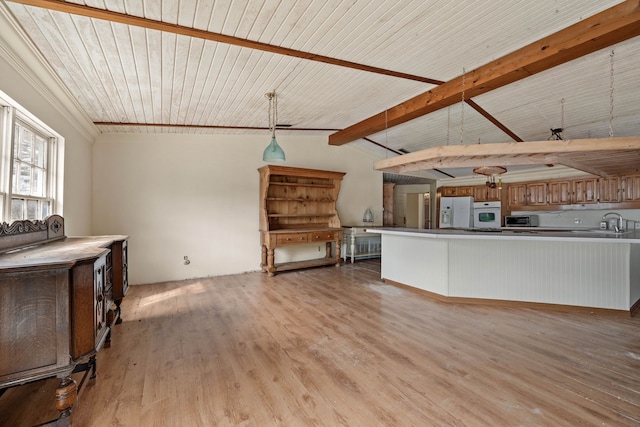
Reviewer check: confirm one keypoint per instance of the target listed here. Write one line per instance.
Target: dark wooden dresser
(59, 300)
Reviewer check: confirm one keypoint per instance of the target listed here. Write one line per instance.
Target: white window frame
(10, 111)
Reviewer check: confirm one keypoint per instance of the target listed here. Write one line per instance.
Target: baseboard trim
(518, 304)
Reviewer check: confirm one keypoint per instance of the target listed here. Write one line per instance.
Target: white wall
(26, 81)
(197, 196)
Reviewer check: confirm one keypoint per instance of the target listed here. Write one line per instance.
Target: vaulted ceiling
(196, 66)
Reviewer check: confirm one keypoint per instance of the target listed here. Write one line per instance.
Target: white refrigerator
(456, 212)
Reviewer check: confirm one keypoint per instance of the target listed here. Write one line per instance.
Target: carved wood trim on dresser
(59, 299)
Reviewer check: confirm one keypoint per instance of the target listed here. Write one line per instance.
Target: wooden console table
(332, 237)
(59, 299)
(359, 244)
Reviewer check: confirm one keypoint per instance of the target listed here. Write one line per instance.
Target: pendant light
(491, 172)
(273, 152)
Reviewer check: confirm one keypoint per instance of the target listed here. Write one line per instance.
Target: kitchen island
(587, 268)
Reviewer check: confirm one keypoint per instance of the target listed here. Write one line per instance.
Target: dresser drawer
(322, 236)
(291, 239)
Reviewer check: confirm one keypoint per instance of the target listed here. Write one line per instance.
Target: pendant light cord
(611, 95)
(273, 112)
(462, 109)
(448, 122)
(562, 114)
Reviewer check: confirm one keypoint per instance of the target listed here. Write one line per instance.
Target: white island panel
(428, 260)
(635, 273)
(585, 269)
(568, 273)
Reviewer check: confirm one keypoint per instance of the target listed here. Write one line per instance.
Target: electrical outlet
(186, 260)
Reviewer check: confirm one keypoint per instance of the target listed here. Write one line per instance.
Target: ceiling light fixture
(490, 172)
(273, 152)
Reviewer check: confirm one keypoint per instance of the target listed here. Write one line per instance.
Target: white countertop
(592, 235)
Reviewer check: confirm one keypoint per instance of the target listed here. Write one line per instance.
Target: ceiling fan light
(273, 152)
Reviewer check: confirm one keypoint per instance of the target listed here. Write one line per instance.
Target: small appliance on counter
(521, 221)
(456, 212)
(486, 215)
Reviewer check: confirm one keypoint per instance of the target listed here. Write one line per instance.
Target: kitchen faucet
(618, 227)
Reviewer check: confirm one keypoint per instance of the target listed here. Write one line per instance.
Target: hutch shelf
(298, 206)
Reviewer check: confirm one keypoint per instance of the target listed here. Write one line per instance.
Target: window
(30, 155)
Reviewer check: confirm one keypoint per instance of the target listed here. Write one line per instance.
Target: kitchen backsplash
(580, 219)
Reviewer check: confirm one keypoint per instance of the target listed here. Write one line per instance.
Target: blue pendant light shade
(273, 152)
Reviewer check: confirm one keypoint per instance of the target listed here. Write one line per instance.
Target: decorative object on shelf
(490, 172)
(368, 216)
(273, 152)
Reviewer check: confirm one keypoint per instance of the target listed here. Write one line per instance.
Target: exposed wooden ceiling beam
(122, 18)
(377, 144)
(493, 120)
(582, 154)
(91, 12)
(614, 25)
(210, 126)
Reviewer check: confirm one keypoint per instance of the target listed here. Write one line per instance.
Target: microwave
(521, 221)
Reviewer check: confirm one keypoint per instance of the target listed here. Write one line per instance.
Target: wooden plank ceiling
(196, 66)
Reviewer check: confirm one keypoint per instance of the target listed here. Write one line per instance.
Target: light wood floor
(336, 346)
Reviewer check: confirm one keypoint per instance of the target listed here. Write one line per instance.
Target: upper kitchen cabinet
(456, 191)
(610, 190)
(584, 191)
(516, 196)
(525, 195)
(482, 193)
(631, 188)
(560, 192)
(573, 191)
(537, 194)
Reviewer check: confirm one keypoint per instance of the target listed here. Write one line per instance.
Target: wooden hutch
(298, 206)
(59, 299)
